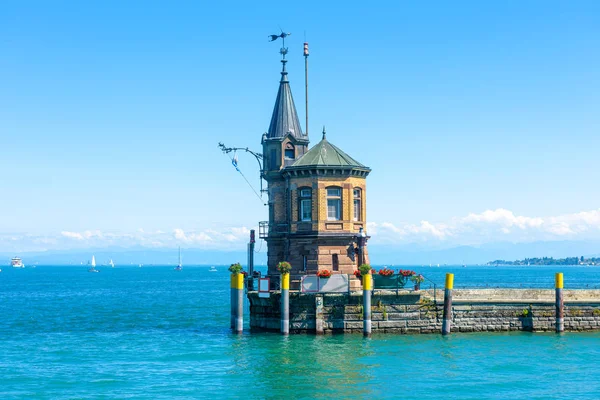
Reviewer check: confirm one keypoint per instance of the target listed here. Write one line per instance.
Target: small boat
(16, 262)
(93, 265)
(111, 263)
(179, 267)
(212, 269)
(141, 265)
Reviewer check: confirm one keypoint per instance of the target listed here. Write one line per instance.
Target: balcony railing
(264, 228)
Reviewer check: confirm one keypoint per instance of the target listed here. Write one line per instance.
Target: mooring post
(285, 303)
(239, 304)
(560, 305)
(233, 299)
(447, 321)
(367, 283)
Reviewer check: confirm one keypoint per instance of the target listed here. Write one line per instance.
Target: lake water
(153, 333)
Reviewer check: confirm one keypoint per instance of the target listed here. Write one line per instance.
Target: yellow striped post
(447, 321)
(238, 283)
(560, 305)
(367, 282)
(285, 303)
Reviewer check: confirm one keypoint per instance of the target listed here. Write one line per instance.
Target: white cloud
(72, 235)
(191, 237)
(474, 228)
(492, 225)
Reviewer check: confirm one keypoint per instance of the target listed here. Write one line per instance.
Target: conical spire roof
(285, 118)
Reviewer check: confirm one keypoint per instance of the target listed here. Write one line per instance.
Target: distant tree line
(550, 261)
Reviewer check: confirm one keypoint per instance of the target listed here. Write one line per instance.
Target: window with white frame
(305, 209)
(334, 203)
(357, 204)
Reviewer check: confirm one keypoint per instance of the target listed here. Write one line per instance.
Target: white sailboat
(93, 265)
(179, 267)
(111, 263)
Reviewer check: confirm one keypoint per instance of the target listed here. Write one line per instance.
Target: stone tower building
(317, 197)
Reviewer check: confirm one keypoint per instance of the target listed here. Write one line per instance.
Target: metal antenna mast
(306, 84)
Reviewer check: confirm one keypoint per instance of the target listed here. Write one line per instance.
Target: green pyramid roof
(325, 154)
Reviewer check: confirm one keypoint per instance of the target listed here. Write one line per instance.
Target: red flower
(324, 273)
(386, 272)
(406, 272)
(357, 274)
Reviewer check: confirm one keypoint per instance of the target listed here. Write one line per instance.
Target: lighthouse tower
(317, 196)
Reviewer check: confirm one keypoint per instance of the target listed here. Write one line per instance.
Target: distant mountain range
(408, 254)
(419, 254)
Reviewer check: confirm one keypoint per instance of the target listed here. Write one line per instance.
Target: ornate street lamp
(361, 241)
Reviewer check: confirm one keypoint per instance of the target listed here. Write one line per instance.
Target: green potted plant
(284, 267)
(235, 268)
(364, 272)
(417, 279)
(364, 269)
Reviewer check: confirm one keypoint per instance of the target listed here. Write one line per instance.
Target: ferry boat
(16, 262)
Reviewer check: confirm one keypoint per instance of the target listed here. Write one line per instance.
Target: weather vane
(282, 35)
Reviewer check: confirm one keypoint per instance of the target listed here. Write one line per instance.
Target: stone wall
(483, 310)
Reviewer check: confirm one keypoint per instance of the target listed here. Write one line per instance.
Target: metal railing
(406, 284)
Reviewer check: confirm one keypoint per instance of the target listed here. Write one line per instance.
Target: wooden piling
(447, 321)
(367, 282)
(285, 304)
(560, 305)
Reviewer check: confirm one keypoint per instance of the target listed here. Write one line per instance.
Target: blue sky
(480, 120)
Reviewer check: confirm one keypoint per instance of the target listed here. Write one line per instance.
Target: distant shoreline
(528, 262)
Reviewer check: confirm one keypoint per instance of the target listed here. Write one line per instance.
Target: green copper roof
(325, 154)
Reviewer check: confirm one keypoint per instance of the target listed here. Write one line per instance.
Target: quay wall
(410, 312)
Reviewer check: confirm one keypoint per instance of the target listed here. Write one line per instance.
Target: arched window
(357, 204)
(305, 204)
(290, 152)
(334, 203)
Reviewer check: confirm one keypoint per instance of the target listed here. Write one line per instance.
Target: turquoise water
(153, 333)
